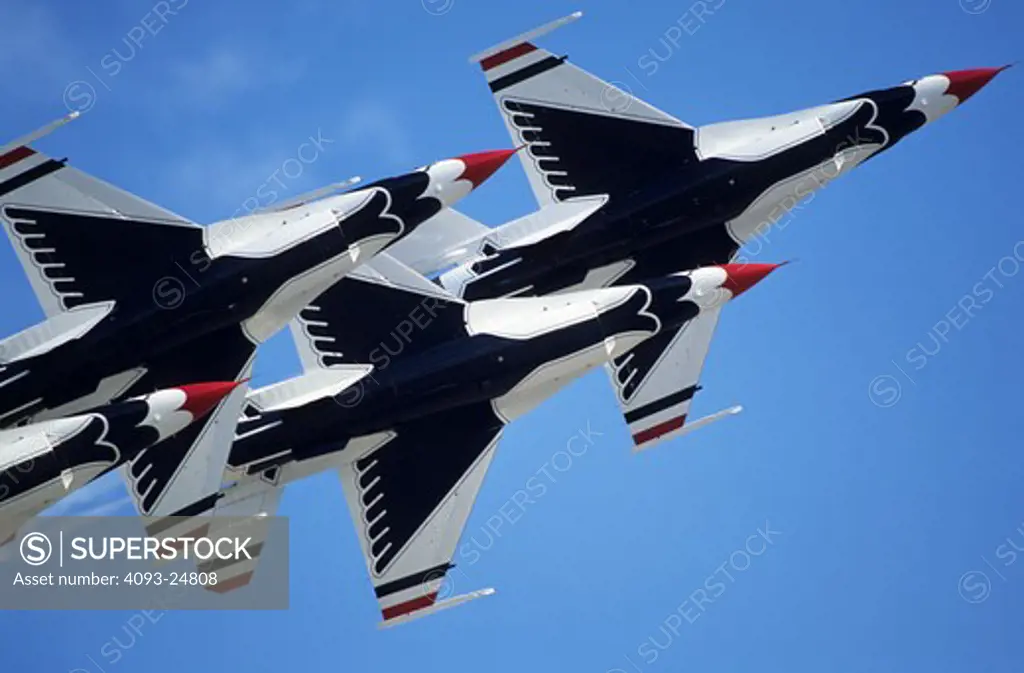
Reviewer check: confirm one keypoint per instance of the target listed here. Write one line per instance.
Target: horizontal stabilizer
(315, 384)
(385, 268)
(499, 244)
(548, 221)
(475, 241)
(61, 328)
(445, 239)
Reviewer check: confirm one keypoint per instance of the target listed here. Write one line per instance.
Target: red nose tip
(965, 83)
(482, 165)
(742, 277)
(200, 398)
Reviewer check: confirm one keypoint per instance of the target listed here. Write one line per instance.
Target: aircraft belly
(291, 470)
(296, 293)
(548, 379)
(781, 198)
(346, 451)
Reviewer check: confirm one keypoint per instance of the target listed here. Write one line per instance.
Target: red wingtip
(482, 165)
(742, 277)
(200, 398)
(965, 83)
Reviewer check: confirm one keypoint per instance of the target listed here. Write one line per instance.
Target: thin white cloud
(35, 53)
(244, 169)
(376, 127)
(236, 172)
(224, 73)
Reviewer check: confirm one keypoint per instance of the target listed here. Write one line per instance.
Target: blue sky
(883, 498)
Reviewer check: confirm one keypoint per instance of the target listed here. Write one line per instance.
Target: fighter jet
(628, 192)
(43, 462)
(138, 298)
(410, 407)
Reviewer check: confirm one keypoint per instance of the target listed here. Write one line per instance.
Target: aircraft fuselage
(252, 275)
(721, 186)
(519, 352)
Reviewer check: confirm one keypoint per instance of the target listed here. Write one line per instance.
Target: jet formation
(422, 333)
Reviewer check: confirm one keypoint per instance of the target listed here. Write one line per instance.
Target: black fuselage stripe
(410, 581)
(660, 405)
(526, 73)
(29, 176)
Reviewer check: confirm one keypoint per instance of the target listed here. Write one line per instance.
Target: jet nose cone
(965, 83)
(200, 398)
(481, 165)
(742, 277)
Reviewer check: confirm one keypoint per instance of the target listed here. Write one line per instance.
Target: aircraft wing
(410, 492)
(584, 136)
(69, 229)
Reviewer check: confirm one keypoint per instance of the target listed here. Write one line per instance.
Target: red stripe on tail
(659, 430)
(16, 155)
(494, 60)
(409, 606)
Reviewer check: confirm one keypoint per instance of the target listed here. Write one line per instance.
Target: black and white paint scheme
(43, 462)
(138, 298)
(629, 192)
(410, 407)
